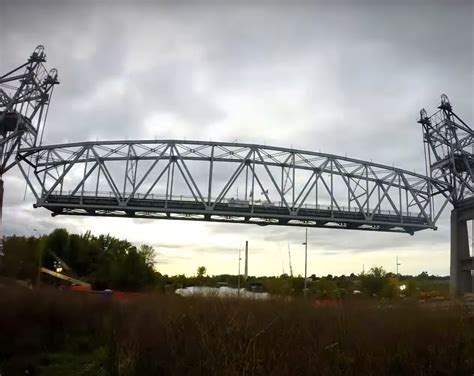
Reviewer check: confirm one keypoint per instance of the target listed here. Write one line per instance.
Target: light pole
(305, 261)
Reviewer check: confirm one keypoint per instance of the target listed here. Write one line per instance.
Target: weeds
(54, 332)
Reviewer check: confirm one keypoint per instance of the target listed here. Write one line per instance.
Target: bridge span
(226, 182)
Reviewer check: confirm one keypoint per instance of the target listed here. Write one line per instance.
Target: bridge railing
(231, 202)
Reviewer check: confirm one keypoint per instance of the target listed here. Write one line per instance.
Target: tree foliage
(373, 282)
(104, 261)
(201, 271)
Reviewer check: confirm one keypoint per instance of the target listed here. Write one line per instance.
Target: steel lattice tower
(25, 94)
(449, 144)
(24, 102)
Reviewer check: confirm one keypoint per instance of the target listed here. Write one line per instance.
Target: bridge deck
(261, 214)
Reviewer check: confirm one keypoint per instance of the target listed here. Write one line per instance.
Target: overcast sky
(347, 78)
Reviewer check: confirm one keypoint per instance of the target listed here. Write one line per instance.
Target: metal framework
(25, 94)
(227, 182)
(449, 146)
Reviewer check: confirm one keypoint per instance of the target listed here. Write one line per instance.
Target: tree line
(108, 262)
(104, 261)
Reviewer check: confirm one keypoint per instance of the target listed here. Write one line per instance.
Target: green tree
(423, 275)
(201, 271)
(391, 287)
(149, 253)
(58, 242)
(373, 282)
(326, 288)
(130, 272)
(411, 288)
(105, 261)
(22, 257)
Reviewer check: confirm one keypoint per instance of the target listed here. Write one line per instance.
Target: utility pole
(398, 264)
(238, 278)
(246, 260)
(289, 258)
(305, 262)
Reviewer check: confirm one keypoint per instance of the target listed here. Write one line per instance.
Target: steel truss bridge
(226, 182)
(236, 182)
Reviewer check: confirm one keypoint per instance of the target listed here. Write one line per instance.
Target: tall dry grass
(170, 335)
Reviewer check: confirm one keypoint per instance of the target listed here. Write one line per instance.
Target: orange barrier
(80, 288)
(122, 295)
(326, 302)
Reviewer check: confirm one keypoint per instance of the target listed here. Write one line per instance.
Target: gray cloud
(339, 78)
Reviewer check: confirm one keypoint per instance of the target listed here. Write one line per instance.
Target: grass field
(50, 332)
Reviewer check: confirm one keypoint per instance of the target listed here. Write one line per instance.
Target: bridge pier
(1, 219)
(462, 263)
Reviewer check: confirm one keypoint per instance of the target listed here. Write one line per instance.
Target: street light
(305, 261)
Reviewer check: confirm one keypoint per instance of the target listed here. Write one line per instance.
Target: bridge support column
(1, 223)
(461, 281)
(1, 219)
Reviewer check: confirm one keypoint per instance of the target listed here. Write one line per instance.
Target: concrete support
(1, 223)
(461, 260)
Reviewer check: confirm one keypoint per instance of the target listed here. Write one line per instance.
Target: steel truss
(449, 147)
(227, 182)
(25, 94)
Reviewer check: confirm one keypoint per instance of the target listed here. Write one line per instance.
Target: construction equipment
(61, 265)
(63, 277)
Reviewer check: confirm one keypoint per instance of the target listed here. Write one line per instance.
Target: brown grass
(170, 335)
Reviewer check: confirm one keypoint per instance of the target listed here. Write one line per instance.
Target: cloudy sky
(346, 78)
